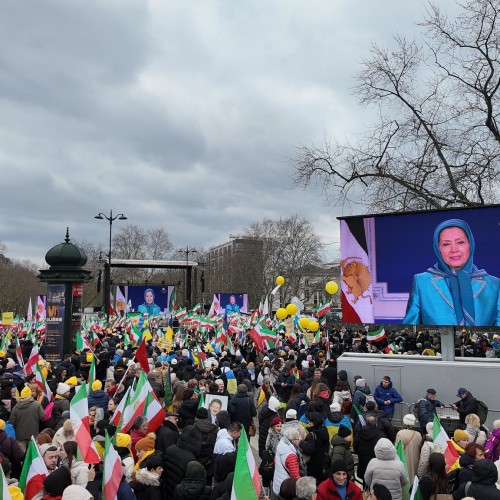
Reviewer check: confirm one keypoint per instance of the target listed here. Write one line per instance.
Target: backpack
(416, 408)
(368, 398)
(453, 480)
(482, 411)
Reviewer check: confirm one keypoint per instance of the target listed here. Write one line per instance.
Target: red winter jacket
(327, 490)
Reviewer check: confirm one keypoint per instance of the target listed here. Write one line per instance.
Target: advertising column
(56, 310)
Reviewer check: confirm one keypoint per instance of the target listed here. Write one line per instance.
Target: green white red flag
(34, 471)
(401, 455)
(113, 471)
(79, 414)
(4, 488)
(32, 361)
(377, 335)
(42, 383)
(246, 482)
(443, 444)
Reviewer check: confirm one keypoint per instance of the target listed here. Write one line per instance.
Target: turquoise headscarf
(459, 281)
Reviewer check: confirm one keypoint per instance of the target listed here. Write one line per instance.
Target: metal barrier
(400, 410)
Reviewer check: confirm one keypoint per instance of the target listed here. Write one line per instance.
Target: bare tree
(436, 142)
(290, 245)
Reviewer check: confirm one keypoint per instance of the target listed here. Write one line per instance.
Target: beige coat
(412, 442)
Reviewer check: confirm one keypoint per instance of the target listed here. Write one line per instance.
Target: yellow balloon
(291, 309)
(313, 326)
(304, 323)
(281, 313)
(331, 287)
(280, 280)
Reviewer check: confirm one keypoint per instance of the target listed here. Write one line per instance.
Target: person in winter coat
(338, 485)
(194, 485)
(335, 419)
(412, 443)
(274, 435)
(79, 469)
(492, 445)
(383, 422)
(168, 433)
(288, 459)
(146, 485)
(284, 384)
(330, 374)
(322, 399)
(426, 450)
(387, 468)
(316, 446)
(434, 481)
(139, 431)
(340, 450)
(466, 405)
(359, 397)
(123, 448)
(342, 394)
(427, 408)
(473, 429)
(364, 444)
(97, 397)
(11, 449)
(187, 410)
(26, 417)
(178, 456)
(460, 440)
(386, 396)
(61, 404)
(482, 486)
(208, 433)
(298, 401)
(65, 433)
(242, 408)
(266, 415)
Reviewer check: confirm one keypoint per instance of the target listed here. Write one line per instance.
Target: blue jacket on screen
(390, 394)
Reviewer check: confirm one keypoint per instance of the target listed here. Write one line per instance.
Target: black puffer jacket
(178, 456)
(364, 446)
(146, 485)
(483, 483)
(61, 404)
(242, 409)
(190, 489)
(166, 435)
(187, 412)
(341, 451)
(208, 433)
(265, 417)
(316, 445)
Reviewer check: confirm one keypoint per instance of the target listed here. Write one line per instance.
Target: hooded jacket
(316, 445)
(26, 417)
(485, 475)
(492, 445)
(328, 490)
(386, 468)
(178, 456)
(194, 485)
(242, 408)
(364, 446)
(98, 398)
(266, 415)
(341, 451)
(146, 485)
(208, 433)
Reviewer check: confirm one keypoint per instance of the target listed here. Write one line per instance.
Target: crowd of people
(319, 433)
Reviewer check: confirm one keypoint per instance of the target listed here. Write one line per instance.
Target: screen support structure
(447, 334)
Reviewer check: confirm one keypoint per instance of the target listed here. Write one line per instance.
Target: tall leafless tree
(436, 142)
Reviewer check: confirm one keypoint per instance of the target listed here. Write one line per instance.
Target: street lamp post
(187, 251)
(107, 277)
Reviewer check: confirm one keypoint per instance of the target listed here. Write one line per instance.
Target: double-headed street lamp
(107, 277)
(187, 251)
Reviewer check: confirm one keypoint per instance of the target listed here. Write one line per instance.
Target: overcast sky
(180, 114)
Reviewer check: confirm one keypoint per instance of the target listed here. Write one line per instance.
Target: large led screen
(427, 268)
(233, 302)
(151, 300)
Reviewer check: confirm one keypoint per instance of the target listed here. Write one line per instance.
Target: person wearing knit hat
(26, 417)
(61, 404)
(97, 397)
(266, 415)
(412, 443)
(338, 484)
(144, 447)
(63, 389)
(123, 440)
(124, 449)
(460, 440)
(274, 435)
(72, 381)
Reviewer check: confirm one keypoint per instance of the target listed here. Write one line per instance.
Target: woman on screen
(454, 291)
(149, 306)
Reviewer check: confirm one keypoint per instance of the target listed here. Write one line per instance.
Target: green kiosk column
(64, 278)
